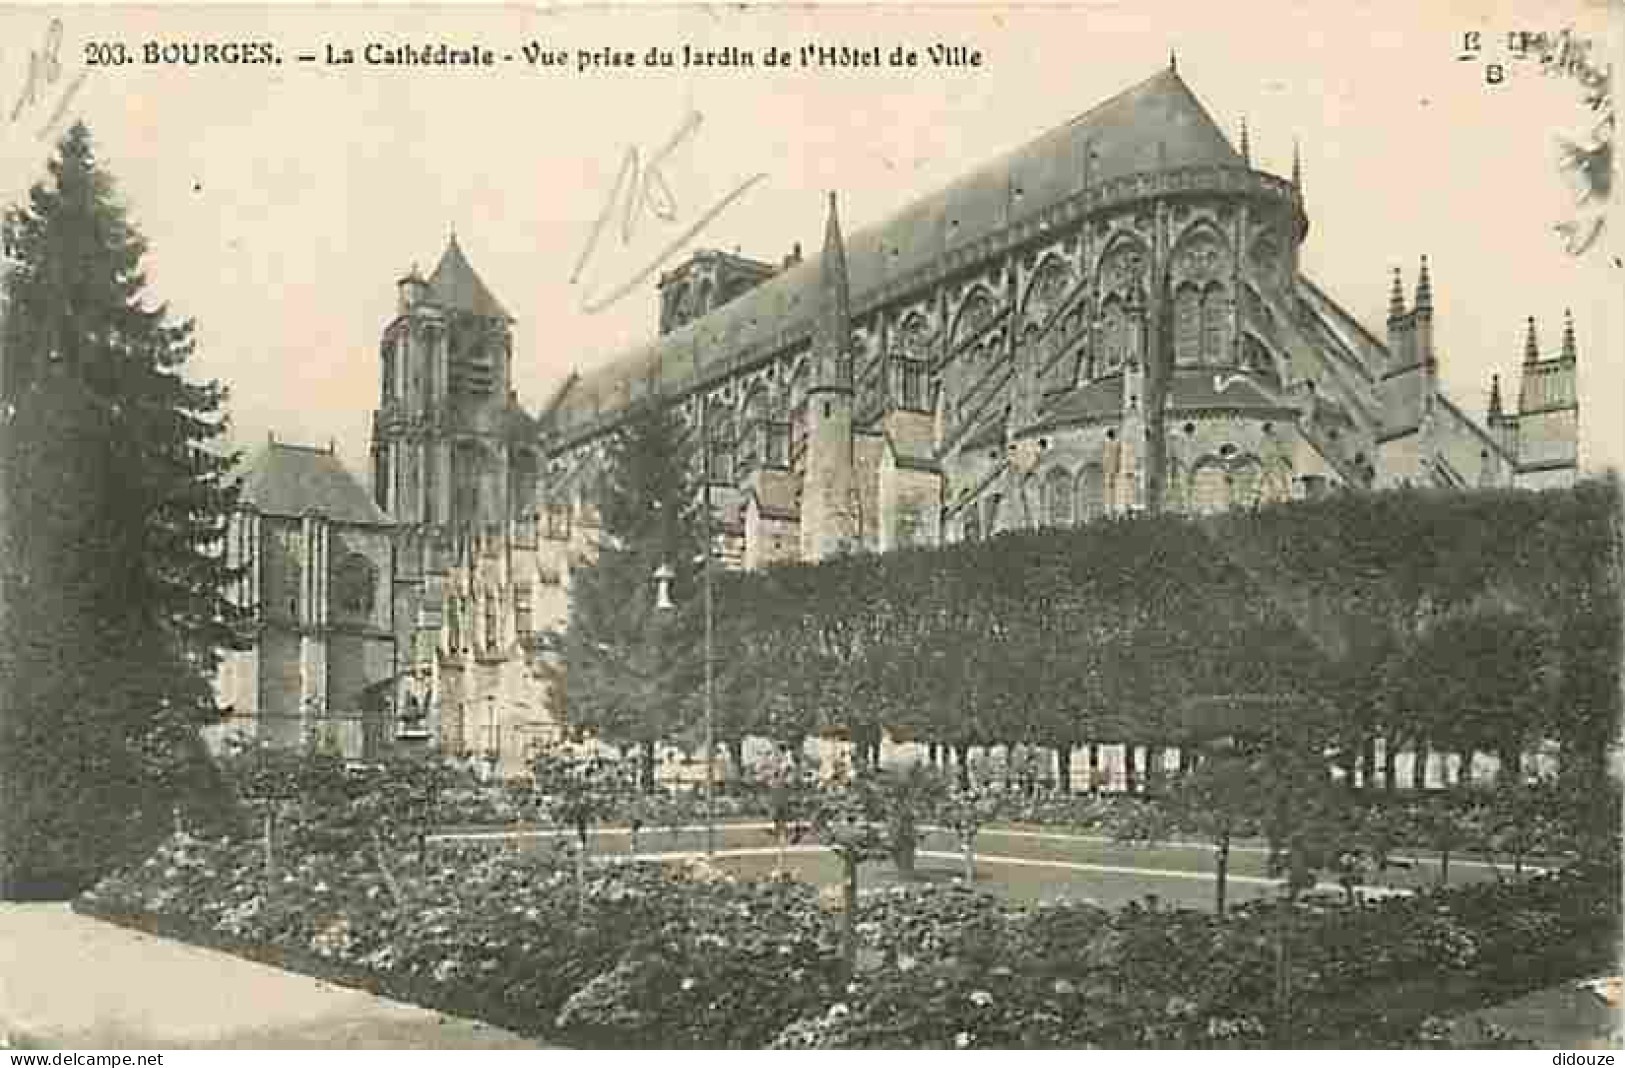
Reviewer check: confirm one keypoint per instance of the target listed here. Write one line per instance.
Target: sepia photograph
(1083, 526)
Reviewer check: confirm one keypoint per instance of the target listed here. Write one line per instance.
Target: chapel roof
(1155, 125)
(294, 480)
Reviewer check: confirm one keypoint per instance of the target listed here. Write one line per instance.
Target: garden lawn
(1021, 865)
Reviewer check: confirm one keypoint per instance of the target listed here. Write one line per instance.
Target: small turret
(1422, 314)
(1424, 290)
(1297, 169)
(1531, 345)
(412, 289)
(1396, 299)
(1569, 352)
(1246, 147)
(1495, 412)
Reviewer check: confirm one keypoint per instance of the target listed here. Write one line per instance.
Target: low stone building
(318, 569)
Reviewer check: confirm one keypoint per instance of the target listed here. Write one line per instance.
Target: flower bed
(661, 956)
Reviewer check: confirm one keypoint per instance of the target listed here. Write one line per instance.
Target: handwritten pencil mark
(44, 70)
(641, 190)
(591, 304)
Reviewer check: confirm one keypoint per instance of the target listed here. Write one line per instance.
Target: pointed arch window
(798, 417)
(753, 439)
(1091, 493)
(1215, 317)
(971, 527)
(719, 444)
(1174, 487)
(1058, 497)
(1115, 329)
(1188, 323)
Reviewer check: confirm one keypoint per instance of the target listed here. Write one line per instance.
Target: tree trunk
(581, 877)
(1130, 775)
(1094, 767)
(1419, 767)
(736, 755)
(962, 754)
(1444, 866)
(1368, 763)
(904, 846)
(968, 843)
(849, 915)
(646, 766)
(1221, 870)
(1510, 757)
(1063, 768)
(270, 843)
(1390, 764)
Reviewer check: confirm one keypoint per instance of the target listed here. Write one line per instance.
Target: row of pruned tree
(1457, 622)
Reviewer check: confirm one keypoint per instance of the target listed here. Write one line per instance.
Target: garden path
(69, 981)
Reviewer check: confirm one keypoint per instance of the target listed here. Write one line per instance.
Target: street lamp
(493, 738)
(663, 578)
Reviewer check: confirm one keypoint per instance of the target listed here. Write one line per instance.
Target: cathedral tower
(829, 519)
(455, 465)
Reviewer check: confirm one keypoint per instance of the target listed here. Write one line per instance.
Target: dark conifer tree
(117, 496)
(630, 669)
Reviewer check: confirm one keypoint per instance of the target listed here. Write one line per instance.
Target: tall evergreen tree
(117, 495)
(630, 669)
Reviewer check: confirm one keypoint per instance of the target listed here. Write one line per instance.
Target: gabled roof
(293, 480)
(1155, 125)
(456, 287)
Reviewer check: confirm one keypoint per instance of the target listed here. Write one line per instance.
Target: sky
(282, 201)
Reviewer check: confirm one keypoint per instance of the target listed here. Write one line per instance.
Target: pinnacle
(1424, 288)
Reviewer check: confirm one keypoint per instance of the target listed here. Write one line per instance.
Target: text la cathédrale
(406, 55)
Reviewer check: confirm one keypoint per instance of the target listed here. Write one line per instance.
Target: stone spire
(1173, 61)
(1531, 347)
(834, 340)
(1297, 168)
(1569, 352)
(1396, 298)
(829, 509)
(1246, 147)
(1495, 399)
(1424, 289)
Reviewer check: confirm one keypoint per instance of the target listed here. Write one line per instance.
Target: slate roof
(1155, 125)
(292, 480)
(1218, 387)
(455, 286)
(1102, 398)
